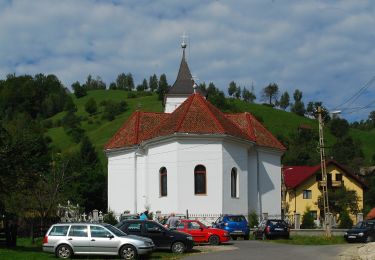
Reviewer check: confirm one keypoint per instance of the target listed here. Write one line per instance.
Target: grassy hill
(280, 123)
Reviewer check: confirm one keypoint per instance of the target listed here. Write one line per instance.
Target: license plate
(237, 231)
(279, 229)
(352, 237)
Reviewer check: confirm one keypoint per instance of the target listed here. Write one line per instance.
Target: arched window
(234, 183)
(200, 180)
(163, 182)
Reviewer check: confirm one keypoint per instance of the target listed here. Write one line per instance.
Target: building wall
(191, 153)
(299, 204)
(270, 182)
(121, 182)
(235, 156)
(252, 181)
(158, 156)
(171, 103)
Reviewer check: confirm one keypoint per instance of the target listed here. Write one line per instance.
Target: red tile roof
(196, 116)
(296, 175)
(255, 130)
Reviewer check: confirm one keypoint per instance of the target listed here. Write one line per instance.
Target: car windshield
(236, 218)
(115, 231)
(277, 223)
(202, 225)
(359, 225)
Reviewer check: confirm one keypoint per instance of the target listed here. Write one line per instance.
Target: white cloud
(324, 48)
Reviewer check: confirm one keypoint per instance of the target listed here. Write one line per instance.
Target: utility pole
(324, 183)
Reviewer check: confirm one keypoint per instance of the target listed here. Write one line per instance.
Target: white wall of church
(121, 182)
(252, 181)
(191, 153)
(158, 156)
(270, 181)
(235, 155)
(171, 103)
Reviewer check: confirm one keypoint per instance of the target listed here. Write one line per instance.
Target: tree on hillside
(91, 106)
(232, 88)
(122, 81)
(347, 152)
(248, 96)
(79, 91)
(24, 157)
(270, 93)
(298, 107)
(284, 100)
(130, 81)
(339, 127)
(153, 82)
(143, 86)
(238, 92)
(93, 84)
(371, 119)
(312, 110)
(216, 97)
(112, 85)
(163, 86)
(72, 126)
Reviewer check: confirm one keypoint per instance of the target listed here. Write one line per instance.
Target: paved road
(274, 251)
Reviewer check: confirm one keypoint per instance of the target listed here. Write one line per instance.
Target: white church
(194, 158)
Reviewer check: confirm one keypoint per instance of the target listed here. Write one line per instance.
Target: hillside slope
(279, 122)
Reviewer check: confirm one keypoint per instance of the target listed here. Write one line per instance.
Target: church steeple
(184, 81)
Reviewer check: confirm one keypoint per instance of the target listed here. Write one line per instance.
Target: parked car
(364, 231)
(203, 234)
(68, 239)
(164, 238)
(272, 228)
(235, 225)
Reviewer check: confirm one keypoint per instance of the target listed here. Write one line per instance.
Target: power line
(356, 95)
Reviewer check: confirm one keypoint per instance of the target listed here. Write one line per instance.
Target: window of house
(200, 180)
(338, 177)
(234, 183)
(314, 214)
(163, 182)
(307, 194)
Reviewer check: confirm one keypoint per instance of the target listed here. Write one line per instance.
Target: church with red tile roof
(193, 158)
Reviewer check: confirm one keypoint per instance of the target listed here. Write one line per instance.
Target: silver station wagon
(66, 239)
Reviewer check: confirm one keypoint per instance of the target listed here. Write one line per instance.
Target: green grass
(26, 250)
(311, 240)
(279, 122)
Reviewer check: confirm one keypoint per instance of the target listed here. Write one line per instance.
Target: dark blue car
(236, 225)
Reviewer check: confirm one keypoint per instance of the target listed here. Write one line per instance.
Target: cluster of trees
(238, 92)
(34, 177)
(123, 82)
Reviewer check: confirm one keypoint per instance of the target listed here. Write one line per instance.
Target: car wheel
(64, 251)
(214, 240)
(246, 237)
(128, 252)
(178, 247)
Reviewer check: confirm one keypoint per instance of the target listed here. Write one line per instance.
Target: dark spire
(184, 81)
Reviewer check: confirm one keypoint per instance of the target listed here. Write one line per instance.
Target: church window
(234, 183)
(163, 182)
(200, 180)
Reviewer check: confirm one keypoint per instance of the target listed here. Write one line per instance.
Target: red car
(202, 233)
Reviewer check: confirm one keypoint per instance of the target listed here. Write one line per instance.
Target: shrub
(110, 218)
(345, 220)
(307, 219)
(253, 219)
(91, 106)
(132, 95)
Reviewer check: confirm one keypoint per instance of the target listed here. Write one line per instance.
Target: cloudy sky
(324, 48)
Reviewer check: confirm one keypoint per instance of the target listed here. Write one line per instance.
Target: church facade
(193, 158)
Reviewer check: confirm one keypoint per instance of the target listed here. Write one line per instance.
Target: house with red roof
(303, 186)
(193, 158)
